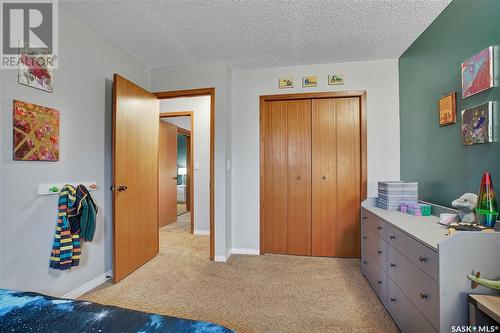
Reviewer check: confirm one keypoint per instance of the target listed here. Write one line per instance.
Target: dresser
(420, 273)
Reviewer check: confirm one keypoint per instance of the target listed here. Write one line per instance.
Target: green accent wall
(181, 151)
(433, 155)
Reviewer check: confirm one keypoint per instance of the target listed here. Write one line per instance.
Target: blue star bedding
(32, 312)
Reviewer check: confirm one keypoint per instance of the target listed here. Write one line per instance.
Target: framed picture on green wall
(447, 106)
(477, 124)
(477, 73)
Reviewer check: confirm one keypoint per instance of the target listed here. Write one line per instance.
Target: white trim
(223, 258)
(253, 252)
(220, 258)
(200, 232)
(85, 288)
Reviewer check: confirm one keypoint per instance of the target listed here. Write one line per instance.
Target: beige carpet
(269, 293)
(181, 208)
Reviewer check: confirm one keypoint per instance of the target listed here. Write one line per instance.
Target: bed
(33, 312)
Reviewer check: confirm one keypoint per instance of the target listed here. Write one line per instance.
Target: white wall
(82, 94)
(378, 78)
(182, 121)
(201, 113)
(207, 76)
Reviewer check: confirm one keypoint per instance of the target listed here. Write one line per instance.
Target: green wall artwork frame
(433, 155)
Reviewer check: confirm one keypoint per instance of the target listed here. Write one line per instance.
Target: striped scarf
(66, 249)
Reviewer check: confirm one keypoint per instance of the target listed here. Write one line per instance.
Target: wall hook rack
(55, 188)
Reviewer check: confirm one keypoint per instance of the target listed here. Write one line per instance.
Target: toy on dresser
(466, 206)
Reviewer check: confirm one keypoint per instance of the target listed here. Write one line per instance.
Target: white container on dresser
(419, 272)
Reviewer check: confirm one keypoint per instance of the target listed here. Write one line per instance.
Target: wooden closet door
(274, 202)
(324, 178)
(299, 176)
(348, 136)
(336, 160)
(286, 172)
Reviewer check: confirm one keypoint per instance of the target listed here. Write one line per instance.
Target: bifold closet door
(336, 188)
(286, 172)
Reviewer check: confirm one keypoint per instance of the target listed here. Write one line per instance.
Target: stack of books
(392, 193)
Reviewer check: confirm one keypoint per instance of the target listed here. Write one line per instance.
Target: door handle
(121, 188)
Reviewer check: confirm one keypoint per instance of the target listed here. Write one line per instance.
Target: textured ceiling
(258, 33)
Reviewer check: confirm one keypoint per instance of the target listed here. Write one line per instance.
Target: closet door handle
(324, 177)
(299, 178)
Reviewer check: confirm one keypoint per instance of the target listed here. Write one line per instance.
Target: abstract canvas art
(36, 71)
(477, 124)
(477, 73)
(36, 132)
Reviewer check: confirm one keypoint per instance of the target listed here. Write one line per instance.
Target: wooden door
(324, 178)
(286, 172)
(348, 148)
(135, 177)
(299, 176)
(168, 173)
(336, 164)
(274, 171)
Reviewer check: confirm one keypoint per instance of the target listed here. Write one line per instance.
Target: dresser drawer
(377, 277)
(416, 252)
(375, 247)
(418, 286)
(375, 224)
(406, 315)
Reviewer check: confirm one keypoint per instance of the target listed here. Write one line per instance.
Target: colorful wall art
(447, 109)
(335, 79)
(310, 81)
(477, 73)
(285, 83)
(477, 124)
(36, 71)
(36, 132)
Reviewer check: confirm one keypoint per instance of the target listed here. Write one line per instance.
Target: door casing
(316, 95)
(194, 93)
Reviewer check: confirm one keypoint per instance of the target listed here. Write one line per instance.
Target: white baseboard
(200, 232)
(254, 252)
(85, 288)
(223, 258)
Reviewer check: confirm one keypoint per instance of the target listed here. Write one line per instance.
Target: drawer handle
(379, 251)
(392, 265)
(423, 296)
(392, 237)
(365, 262)
(364, 237)
(379, 228)
(392, 299)
(422, 259)
(379, 282)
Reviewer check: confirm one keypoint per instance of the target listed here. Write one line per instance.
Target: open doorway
(187, 171)
(176, 177)
(135, 165)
